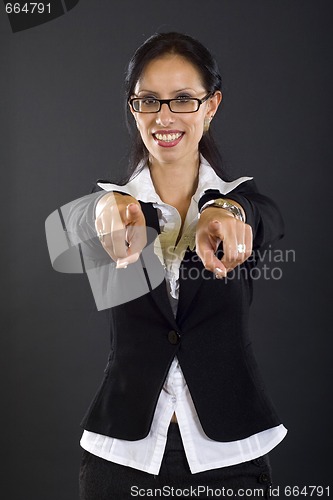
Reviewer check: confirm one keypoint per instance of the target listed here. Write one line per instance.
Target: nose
(165, 116)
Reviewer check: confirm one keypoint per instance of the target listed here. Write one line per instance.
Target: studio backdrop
(62, 127)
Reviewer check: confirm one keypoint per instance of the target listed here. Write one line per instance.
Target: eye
(149, 101)
(183, 98)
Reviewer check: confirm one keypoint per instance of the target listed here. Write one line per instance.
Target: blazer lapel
(159, 294)
(190, 280)
(162, 302)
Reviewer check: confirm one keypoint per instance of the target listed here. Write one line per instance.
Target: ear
(214, 103)
(134, 114)
(131, 110)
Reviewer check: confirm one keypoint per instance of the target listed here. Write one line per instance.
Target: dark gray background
(62, 127)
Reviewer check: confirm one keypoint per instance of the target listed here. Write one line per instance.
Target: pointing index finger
(133, 214)
(135, 235)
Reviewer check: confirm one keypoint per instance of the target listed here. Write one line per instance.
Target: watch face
(219, 203)
(225, 204)
(231, 208)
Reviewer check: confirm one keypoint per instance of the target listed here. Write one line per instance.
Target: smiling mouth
(168, 137)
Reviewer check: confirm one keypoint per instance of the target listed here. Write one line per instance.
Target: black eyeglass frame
(167, 101)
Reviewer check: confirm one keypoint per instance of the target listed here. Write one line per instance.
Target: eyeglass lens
(176, 105)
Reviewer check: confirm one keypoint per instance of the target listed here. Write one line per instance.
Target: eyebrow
(174, 91)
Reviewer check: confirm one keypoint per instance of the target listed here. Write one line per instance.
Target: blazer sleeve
(262, 213)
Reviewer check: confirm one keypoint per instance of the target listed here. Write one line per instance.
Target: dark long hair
(192, 50)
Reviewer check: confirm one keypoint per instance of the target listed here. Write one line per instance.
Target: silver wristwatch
(227, 205)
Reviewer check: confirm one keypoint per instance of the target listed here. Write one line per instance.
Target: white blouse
(202, 453)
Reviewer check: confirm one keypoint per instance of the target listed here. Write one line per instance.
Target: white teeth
(168, 137)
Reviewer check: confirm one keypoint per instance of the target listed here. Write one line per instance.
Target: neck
(175, 183)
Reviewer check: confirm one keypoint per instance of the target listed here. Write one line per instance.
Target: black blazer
(209, 336)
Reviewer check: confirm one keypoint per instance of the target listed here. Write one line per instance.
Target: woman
(182, 404)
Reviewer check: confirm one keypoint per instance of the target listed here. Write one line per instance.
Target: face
(173, 137)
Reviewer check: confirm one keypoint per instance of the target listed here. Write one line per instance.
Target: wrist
(229, 206)
(111, 198)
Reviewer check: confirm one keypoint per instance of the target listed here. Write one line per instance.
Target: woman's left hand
(217, 225)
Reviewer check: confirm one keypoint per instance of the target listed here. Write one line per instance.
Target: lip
(168, 144)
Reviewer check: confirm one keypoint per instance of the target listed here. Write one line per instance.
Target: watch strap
(226, 205)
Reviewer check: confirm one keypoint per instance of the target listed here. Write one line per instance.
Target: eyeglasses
(178, 105)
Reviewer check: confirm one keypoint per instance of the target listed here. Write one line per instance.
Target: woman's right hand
(121, 227)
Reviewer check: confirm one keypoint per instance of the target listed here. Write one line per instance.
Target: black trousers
(104, 480)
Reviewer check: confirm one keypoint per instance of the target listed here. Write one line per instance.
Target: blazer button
(263, 478)
(173, 337)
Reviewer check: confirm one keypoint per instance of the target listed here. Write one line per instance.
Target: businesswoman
(181, 404)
